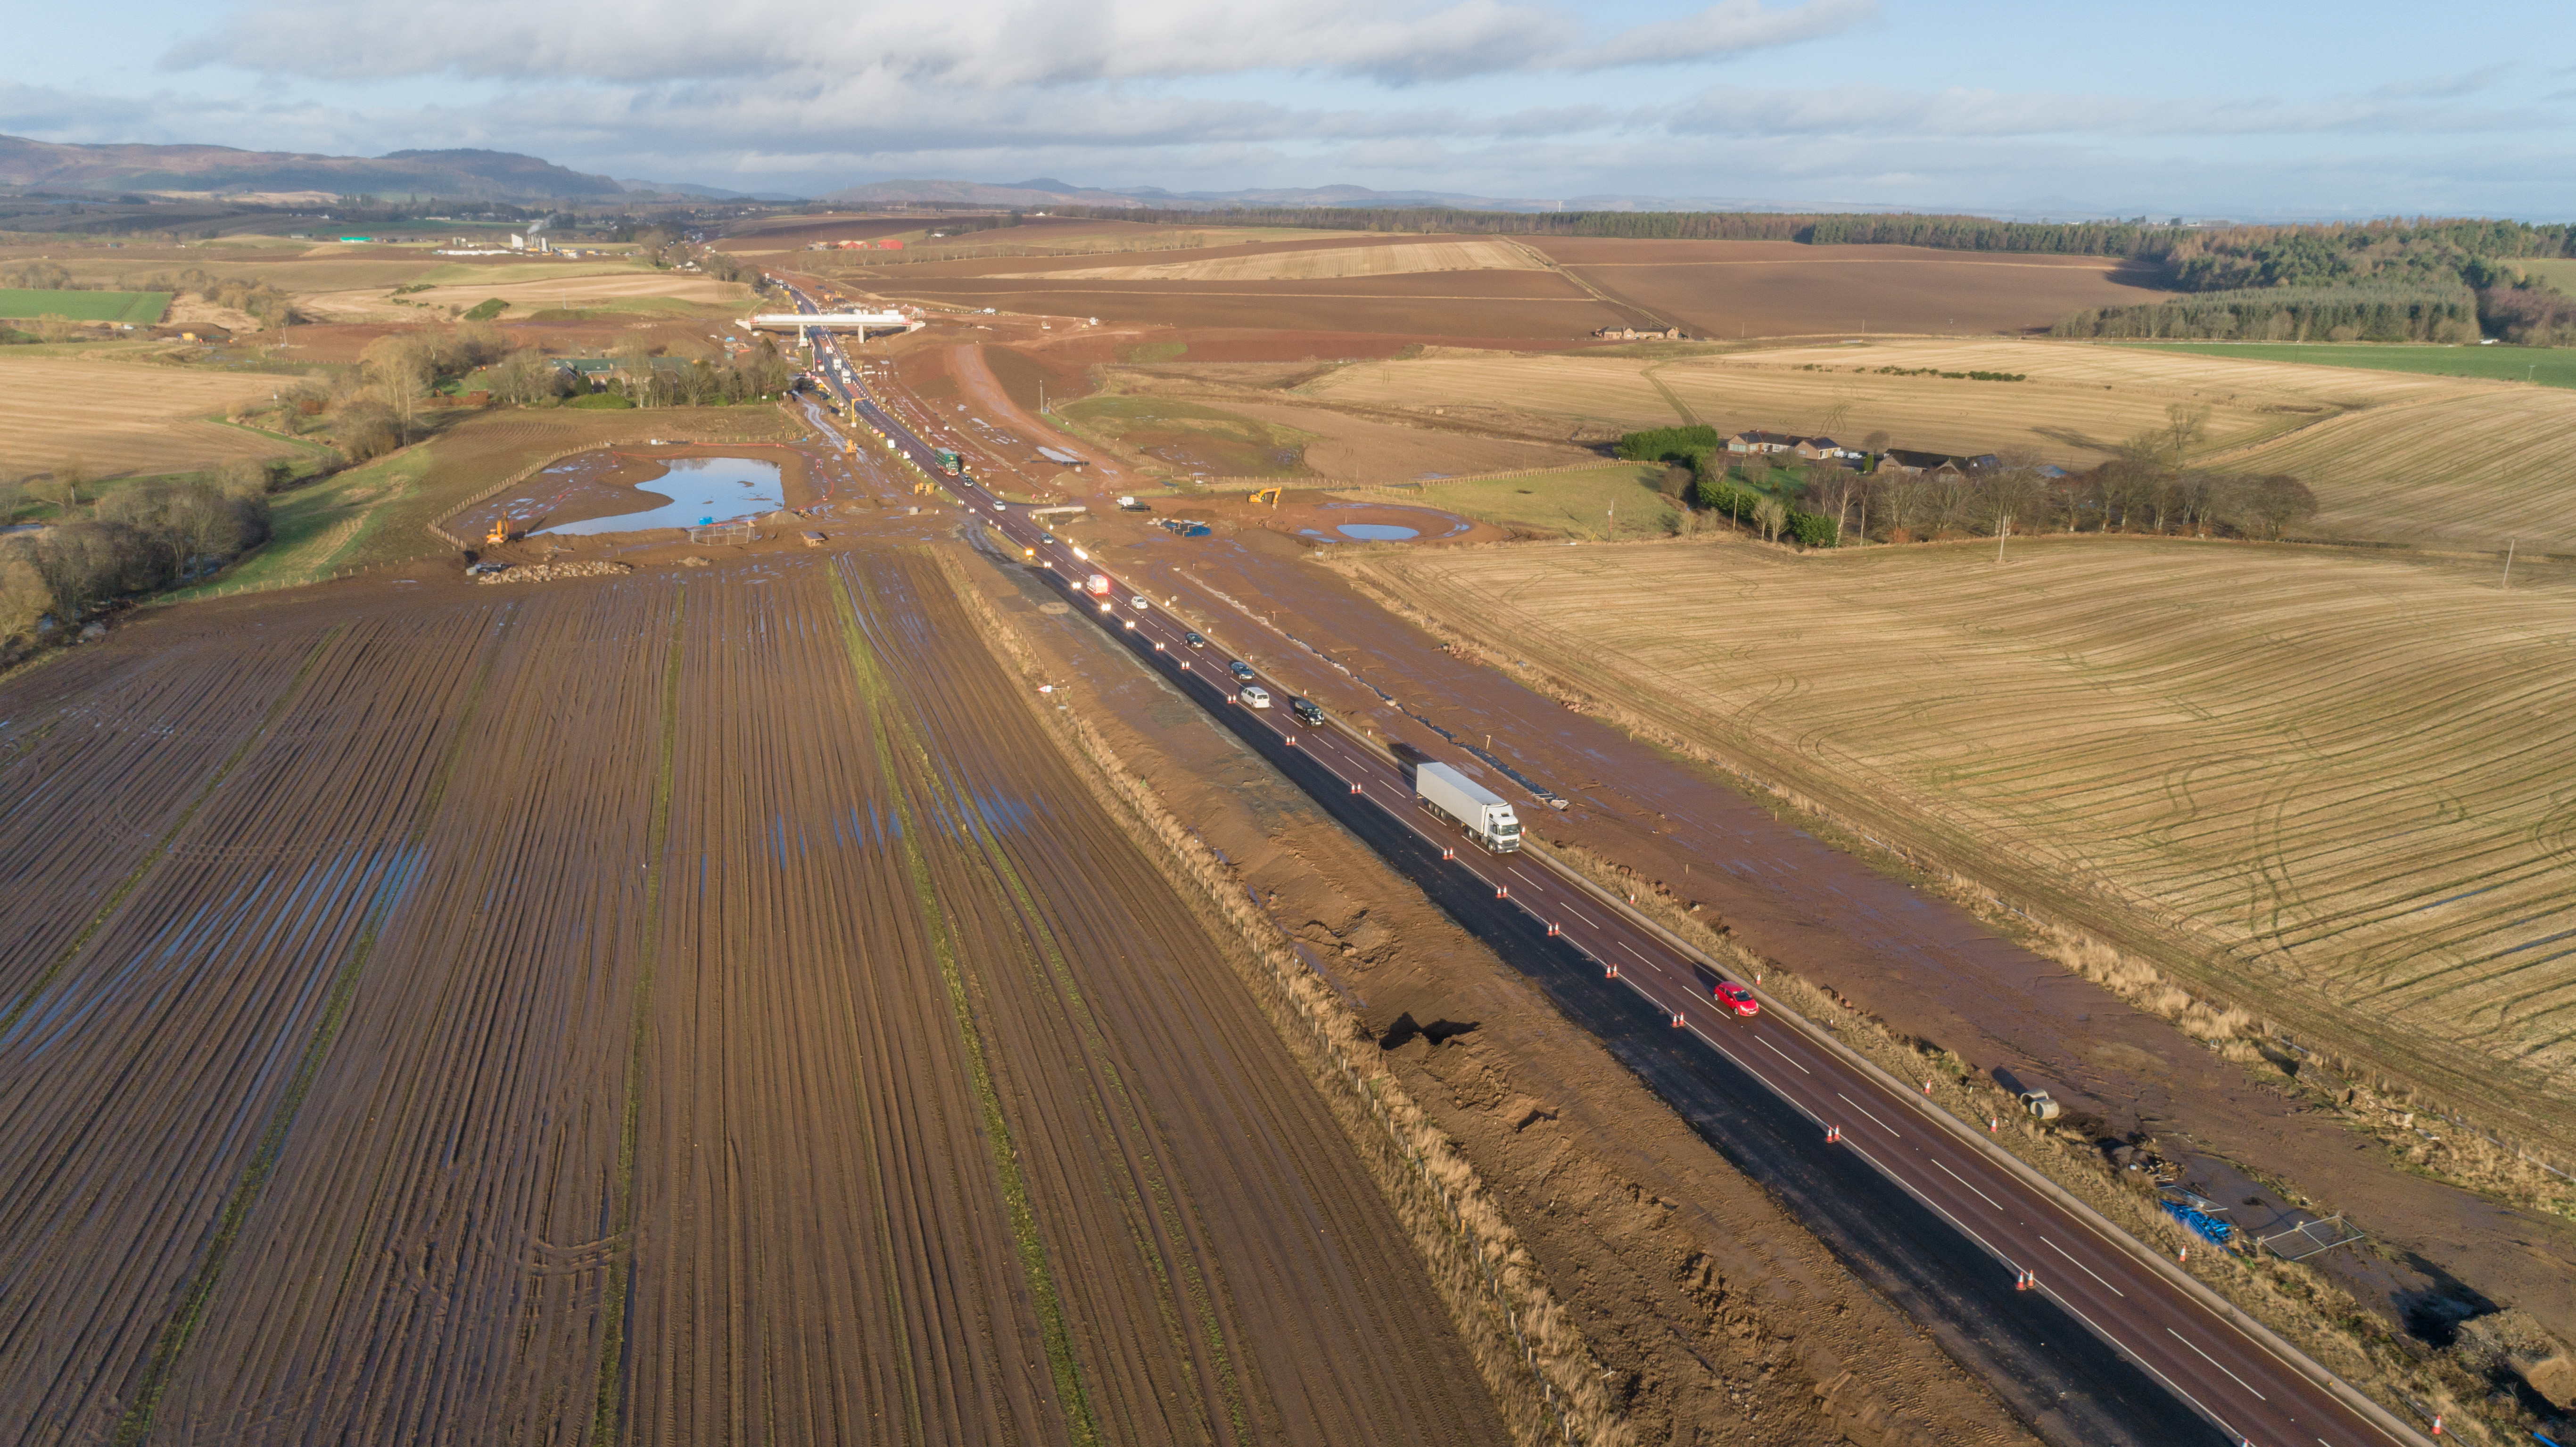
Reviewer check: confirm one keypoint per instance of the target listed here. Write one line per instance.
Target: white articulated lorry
(1463, 802)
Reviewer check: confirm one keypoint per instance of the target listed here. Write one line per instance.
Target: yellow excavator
(1270, 495)
(507, 528)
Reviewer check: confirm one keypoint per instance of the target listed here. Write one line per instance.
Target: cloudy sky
(2247, 109)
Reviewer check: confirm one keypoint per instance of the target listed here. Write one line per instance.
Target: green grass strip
(136, 1426)
(1026, 1238)
(610, 1402)
(161, 847)
(1096, 1045)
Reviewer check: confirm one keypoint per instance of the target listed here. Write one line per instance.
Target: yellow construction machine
(509, 527)
(1270, 495)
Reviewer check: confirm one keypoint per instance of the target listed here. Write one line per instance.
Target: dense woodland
(136, 539)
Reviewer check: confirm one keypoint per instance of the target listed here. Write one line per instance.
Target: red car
(1735, 997)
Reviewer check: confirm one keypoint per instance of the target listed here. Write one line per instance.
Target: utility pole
(2002, 533)
(2508, 564)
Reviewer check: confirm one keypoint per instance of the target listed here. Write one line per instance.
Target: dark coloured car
(1306, 711)
(1240, 669)
(1194, 640)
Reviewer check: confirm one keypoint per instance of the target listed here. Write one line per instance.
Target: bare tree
(2186, 423)
(401, 369)
(1773, 514)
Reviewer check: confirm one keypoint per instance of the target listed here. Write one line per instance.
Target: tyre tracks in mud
(647, 1012)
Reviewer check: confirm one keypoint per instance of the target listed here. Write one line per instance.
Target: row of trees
(137, 539)
(1821, 504)
(2375, 311)
(2148, 489)
(750, 376)
(377, 407)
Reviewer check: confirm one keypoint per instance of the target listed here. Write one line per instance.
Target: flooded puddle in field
(1376, 532)
(692, 490)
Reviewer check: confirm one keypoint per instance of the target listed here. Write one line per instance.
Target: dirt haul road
(649, 1010)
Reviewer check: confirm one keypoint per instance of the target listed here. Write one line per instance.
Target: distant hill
(1048, 191)
(702, 193)
(222, 170)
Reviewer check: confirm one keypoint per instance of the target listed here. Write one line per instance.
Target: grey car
(1240, 669)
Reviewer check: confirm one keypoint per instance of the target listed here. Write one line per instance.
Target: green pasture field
(1568, 504)
(142, 308)
(1191, 435)
(2548, 366)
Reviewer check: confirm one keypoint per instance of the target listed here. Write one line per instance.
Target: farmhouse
(1638, 334)
(1823, 449)
(1761, 442)
(1933, 464)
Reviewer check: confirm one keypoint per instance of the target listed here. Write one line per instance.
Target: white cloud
(983, 44)
(1872, 111)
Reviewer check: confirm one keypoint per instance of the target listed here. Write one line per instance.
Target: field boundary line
(1426, 1180)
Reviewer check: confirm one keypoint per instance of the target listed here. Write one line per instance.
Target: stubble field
(2330, 787)
(124, 417)
(657, 1010)
(2449, 461)
(1732, 289)
(1307, 263)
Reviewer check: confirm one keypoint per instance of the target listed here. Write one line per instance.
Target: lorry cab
(1450, 795)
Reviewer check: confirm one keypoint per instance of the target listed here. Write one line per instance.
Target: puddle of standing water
(1376, 532)
(694, 490)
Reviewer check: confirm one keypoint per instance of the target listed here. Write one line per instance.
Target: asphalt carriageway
(2090, 1341)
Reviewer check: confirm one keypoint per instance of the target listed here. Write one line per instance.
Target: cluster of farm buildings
(1899, 460)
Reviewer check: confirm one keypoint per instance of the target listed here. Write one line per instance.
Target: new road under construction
(1916, 1199)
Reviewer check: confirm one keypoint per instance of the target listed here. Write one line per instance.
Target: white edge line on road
(1776, 1050)
(1962, 1180)
(2213, 1361)
(1882, 1125)
(2080, 1266)
(2126, 1350)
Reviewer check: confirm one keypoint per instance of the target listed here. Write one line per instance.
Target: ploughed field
(2332, 788)
(669, 1009)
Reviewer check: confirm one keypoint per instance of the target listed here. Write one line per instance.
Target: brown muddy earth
(613, 481)
(674, 1007)
(1926, 967)
(1717, 1316)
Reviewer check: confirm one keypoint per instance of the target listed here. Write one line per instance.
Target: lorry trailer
(1462, 801)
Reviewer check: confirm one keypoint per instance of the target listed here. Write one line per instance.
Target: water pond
(695, 490)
